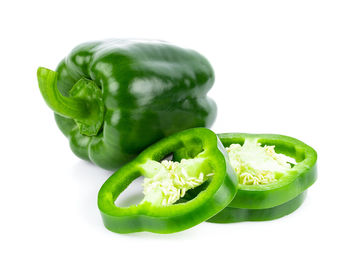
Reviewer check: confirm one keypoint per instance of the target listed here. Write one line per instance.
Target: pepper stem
(84, 104)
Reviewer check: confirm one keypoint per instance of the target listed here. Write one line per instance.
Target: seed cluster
(175, 184)
(248, 175)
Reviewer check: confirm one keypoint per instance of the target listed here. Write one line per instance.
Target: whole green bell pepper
(206, 170)
(114, 98)
(270, 199)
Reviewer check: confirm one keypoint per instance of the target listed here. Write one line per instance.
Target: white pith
(172, 180)
(256, 164)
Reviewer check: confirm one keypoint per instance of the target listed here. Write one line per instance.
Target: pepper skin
(145, 216)
(232, 215)
(114, 98)
(289, 186)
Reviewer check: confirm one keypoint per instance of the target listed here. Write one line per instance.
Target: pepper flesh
(151, 215)
(114, 98)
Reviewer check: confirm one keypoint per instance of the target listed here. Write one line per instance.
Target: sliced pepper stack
(205, 174)
(274, 172)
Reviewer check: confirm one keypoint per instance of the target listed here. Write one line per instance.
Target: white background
(281, 67)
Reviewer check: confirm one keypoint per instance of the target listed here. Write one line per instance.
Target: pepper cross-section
(274, 173)
(205, 174)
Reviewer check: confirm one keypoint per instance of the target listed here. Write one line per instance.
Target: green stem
(70, 107)
(84, 105)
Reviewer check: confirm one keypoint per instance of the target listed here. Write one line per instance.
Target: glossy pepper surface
(205, 155)
(114, 98)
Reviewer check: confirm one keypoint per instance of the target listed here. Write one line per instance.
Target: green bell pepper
(271, 184)
(114, 98)
(164, 208)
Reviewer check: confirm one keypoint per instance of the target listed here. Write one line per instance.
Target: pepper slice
(288, 183)
(205, 170)
(274, 172)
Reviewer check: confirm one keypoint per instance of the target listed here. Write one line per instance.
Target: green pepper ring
(177, 217)
(288, 187)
